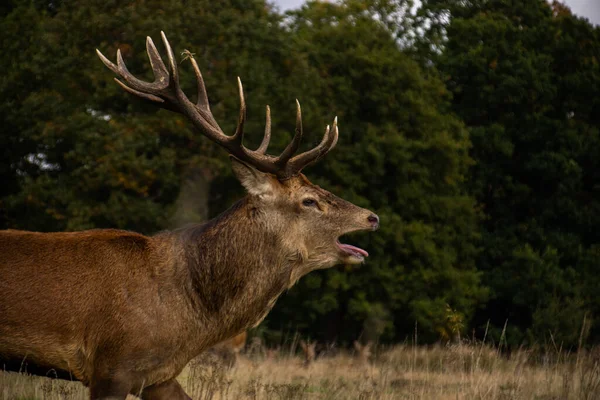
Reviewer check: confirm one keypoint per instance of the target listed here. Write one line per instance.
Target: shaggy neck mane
(237, 268)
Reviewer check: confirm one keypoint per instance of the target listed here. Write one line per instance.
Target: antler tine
(135, 83)
(311, 156)
(202, 101)
(143, 95)
(262, 149)
(291, 148)
(238, 136)
(203, 119)
(328, 143)
(114, 68)
(107, 62)
(332, 141)
(174, 71)
(161, 74)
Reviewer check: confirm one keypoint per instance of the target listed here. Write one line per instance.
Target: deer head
(319, 217)
(310, 220)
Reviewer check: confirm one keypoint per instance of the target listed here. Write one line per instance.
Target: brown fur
(363, 352)
(309, 350)
(124, 312)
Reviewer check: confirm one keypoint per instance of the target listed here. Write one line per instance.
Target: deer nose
(374, 221)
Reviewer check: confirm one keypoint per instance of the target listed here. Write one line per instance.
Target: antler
(166, 92)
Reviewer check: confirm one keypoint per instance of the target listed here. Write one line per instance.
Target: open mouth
(354, 252)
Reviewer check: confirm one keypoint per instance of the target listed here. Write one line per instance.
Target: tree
(523, 77)
(80, 153)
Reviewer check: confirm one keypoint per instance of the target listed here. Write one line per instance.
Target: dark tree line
(472, 128)
(525, 79)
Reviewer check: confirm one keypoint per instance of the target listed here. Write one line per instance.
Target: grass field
(402, 372)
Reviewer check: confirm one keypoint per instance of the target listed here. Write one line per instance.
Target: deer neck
(237, 269)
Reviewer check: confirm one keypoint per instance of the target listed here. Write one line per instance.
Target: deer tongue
(353, 250)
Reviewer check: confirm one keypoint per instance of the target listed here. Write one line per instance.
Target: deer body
(173, 295)
(124, 313)
(73, 301)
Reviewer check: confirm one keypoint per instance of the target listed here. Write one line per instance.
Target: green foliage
(471, 128)
(401, 154)
(524, 78)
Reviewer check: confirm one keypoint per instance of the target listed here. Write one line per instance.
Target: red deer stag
(123, 312)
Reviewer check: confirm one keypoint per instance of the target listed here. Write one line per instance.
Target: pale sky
(589, 9)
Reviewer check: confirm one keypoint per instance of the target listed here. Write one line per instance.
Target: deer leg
(165, 391)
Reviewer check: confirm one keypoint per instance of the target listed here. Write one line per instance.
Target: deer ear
(256, 182)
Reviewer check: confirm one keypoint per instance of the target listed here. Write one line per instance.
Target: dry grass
(402, 372)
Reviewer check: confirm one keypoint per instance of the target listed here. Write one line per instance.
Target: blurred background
(470, 126)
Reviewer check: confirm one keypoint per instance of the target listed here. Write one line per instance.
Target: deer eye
(309, 202)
